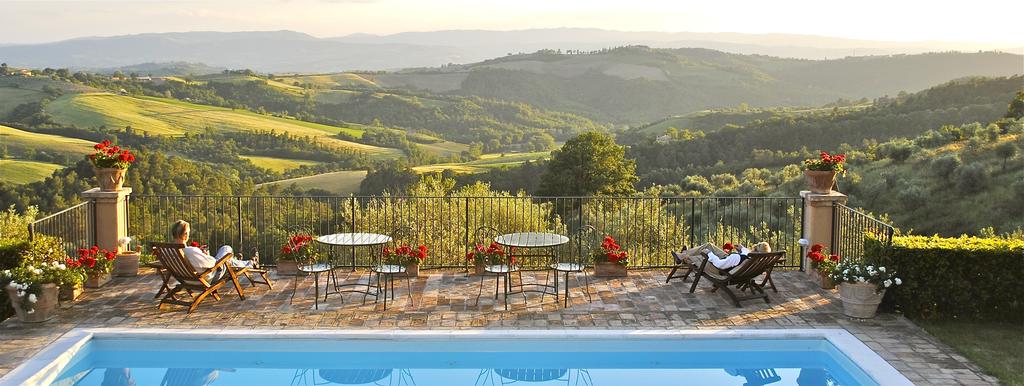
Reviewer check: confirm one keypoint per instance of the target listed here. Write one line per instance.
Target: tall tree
(590, 164)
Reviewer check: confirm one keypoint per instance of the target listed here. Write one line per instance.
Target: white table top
(531, 240)
(354, 239)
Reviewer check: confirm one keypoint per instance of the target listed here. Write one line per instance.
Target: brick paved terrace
(447, 300)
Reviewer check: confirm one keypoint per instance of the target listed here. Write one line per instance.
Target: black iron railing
(852, 227)
(648, 227)
(75, 226)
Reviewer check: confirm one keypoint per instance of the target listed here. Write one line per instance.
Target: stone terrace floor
(446, 300)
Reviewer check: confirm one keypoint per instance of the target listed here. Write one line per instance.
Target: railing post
(818, 218)
(238, 207)
(110, 216)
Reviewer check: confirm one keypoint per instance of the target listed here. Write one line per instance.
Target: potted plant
(408, 257)
(298, 250)
(70, 283)
(32, 289)
(493, 254)
(824, 263)
(127, 261)
(611, 261)
(821, 172)
(97, 264)
(862, 286)
(44, 250)
(110, 162)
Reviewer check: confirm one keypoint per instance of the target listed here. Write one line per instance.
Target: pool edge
(46, 365)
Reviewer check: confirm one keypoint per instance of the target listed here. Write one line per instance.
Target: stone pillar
(111, 220)
(818, 221)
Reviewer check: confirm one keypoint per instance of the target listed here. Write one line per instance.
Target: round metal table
(535, 240)
(352, 240)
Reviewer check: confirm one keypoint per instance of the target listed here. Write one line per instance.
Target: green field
(18, 141)
(172, 117)
(22, 172)
(333, 80)
(344, 182)
(486, 161)
(278, 164)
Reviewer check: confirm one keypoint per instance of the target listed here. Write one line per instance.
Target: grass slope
(278, 164)
(22, 172)
(487, 161)
(333, 80)
(19, 141)
(343, 182)
(997, 348)
(172, 117)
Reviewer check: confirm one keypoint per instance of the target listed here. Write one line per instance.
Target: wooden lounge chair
(742, 276)
(172, 256)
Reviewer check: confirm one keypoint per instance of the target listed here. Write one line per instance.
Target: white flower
(882, 269)
(871, 268)
(846, 271)
(32, 298)
(21, 293)
(887, 283)
(861, 279)
(898, 281)
(124, 240)
(31, 268)
(31, 311)
(62, 266)
(38, 271)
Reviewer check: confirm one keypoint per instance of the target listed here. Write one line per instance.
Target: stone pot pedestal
(860, 300)
(45, 307)
(97, 280)
(820, 181)
(127, 264)
(609, 269)
(110, 179)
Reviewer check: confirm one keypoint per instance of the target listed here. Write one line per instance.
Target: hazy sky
(983, 21)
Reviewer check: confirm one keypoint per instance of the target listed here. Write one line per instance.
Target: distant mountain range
(289, 51)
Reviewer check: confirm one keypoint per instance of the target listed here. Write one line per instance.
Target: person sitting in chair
(734, 255)
(200, 259)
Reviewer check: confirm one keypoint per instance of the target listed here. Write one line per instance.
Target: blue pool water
(807, 362)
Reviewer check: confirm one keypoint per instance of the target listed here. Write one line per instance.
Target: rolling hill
(20, 172)
(640, 84)
(17, 142)
(162, 116)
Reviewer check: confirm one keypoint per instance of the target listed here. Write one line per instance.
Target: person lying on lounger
(734, 256)
(200, 259)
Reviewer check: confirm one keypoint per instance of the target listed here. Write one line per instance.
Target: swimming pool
(489, 357)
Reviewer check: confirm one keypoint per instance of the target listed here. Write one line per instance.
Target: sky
(979, 21)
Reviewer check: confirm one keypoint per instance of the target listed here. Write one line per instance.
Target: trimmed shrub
(954, 278)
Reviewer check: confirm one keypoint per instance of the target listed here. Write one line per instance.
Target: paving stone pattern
(447, 300)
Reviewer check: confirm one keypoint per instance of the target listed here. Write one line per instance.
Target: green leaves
(590, 164)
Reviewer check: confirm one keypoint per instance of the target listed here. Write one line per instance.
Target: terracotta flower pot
(45, 307)
(97, 280)
(110, 179)
(412, 270)
(609, 269)
(860, 300)
(70, 293)
(287, 268)
(820, 181)
(478, 268)
(826, 281)
(127, 264)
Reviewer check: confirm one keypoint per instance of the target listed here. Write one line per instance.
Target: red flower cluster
(296, 243)
(613, 251)
(495, 253)
(817, 254)
(111, 156)
(406, 255)
(94, 259)
(827, 162)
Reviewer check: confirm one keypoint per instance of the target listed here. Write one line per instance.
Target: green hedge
(955, 278)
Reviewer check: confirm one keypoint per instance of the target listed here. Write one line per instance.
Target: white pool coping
(44, 367)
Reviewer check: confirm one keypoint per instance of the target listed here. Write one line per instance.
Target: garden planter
(287, 268)
(412, 270)
(826, 281)
(820, 181)
(127, 264)
(70, 293)
(45, 307)
(609, 269)
(97, 280)
(860, 300)
(110, 179)
(478, 269)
